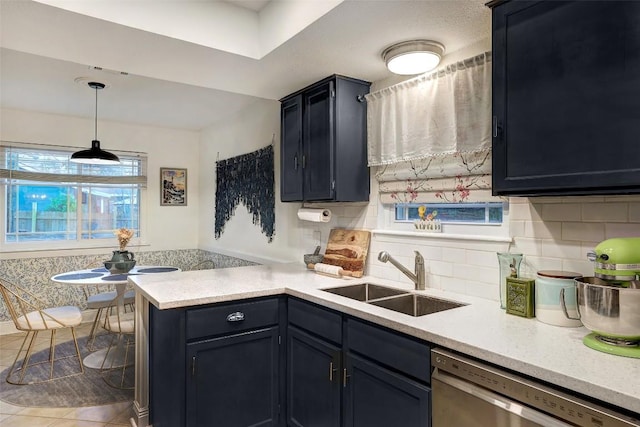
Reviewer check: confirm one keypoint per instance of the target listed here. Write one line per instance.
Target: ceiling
(191, 70)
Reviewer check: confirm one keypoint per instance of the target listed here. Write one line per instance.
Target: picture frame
(173, 187)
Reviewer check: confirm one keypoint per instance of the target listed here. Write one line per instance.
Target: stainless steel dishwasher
(466, 393)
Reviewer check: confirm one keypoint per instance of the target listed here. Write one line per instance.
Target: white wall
(254, 128)
(168, 227)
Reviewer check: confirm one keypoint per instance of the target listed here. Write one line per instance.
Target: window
(459, 213)
(47, 198)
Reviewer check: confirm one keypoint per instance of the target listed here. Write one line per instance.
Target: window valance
(454, 178)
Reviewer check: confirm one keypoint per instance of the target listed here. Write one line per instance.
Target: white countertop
(480, 329)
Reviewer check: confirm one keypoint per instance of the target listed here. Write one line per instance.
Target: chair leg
(52, 352)
(107, 368)
(94, 330)
(27, 357)
(33, 335)
(29, 341)
(75, 342)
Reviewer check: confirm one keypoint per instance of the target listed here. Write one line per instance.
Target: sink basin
(416, 305)
(366, 291)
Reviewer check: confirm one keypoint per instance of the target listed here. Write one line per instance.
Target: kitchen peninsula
(479, 329)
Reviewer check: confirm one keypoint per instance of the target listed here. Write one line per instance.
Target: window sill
(445, 236)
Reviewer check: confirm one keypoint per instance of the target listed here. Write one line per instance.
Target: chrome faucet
(417, 278)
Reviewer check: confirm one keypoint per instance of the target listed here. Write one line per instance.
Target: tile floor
(91, 416)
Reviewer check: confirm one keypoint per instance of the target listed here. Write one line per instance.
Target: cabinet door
(376, 397)
(233, 381)
(318, 136)
(291, 150)
(313, 381)
(565, 83)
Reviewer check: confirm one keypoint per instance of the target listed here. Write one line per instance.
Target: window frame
(79, 242)
(387, 222)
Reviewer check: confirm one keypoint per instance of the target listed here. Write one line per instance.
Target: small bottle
(509, 264)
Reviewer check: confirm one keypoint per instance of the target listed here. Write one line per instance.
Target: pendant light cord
(96, 116)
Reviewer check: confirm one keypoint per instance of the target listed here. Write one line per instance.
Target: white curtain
(431, 136)
(445, 112)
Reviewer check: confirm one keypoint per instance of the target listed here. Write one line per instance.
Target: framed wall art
(173, 187)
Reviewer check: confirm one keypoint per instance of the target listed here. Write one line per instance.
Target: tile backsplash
(553, 233)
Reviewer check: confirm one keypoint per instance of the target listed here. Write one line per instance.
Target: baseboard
(7, 327)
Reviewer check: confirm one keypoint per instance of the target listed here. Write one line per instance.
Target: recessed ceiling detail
(229, 26)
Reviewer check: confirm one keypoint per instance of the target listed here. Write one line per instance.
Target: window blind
(48, 163)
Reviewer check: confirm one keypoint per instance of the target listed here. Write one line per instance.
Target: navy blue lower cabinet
(313, 381)
(233, 381)
(378, 397)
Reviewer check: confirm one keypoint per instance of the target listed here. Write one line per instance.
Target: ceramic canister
(548, 306)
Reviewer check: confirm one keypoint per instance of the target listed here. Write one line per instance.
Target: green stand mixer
(617, 260)
(609, 303)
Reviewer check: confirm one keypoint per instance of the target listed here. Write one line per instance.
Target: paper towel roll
(314, 215)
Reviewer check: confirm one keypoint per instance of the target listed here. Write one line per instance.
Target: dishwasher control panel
(568, 408)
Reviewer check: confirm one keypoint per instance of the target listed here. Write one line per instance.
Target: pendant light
(413, 56)
(95, 155)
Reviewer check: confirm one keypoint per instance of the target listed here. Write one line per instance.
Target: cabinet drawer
(317, 320)
(390, 348)
(230, 318)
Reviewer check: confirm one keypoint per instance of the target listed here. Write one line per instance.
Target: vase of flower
(122, 261)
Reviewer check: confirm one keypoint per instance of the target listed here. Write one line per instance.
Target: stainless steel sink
(416, 305)
(394, 299)
(365, 291)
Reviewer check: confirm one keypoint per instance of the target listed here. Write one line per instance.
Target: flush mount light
(413, 56)
(95, 155)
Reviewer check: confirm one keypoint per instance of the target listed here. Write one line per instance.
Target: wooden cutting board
(348, 249)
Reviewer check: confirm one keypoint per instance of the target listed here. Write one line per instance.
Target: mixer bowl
(608, 309)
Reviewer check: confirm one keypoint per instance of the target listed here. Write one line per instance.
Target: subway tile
(583, 267)
(601, 212)
(532, 264)
(517, 228)
(543, 229)
(555, 249)
(456, 256)
(477, 273)
(621, 230)
(482, 258)
(561, 212)
(527, 246)
(634, 212)
(454, 285)
(433, 281)
(525, 212)
(581, 231)
(440, 268)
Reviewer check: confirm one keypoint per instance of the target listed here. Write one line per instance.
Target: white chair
(30, 315)
(118, 359)
(100, 300)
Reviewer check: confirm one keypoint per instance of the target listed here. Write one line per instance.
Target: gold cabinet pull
(344, 377)
(331, 370)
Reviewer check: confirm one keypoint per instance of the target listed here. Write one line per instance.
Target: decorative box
(520, 296)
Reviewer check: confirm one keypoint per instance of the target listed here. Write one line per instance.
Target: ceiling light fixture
(413, 56)
(95, 155)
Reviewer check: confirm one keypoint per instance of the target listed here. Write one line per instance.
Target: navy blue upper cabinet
(324, 142)
(566, 97)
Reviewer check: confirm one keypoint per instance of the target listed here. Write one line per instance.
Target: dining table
(102, 277)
